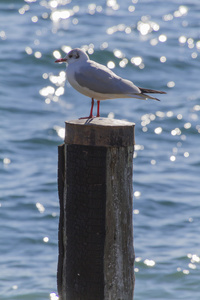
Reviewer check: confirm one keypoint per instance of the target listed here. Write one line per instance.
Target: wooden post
(96, 255)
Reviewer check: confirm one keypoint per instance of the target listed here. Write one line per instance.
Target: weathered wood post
(96, 255)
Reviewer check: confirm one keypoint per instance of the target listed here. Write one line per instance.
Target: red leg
(91, 111)
(98, 106)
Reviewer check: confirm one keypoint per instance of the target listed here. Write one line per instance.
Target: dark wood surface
(96, 255)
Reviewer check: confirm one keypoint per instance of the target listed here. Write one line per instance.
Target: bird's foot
(90, 117)
(91, 111)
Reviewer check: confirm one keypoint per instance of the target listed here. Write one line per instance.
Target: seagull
(98, 82)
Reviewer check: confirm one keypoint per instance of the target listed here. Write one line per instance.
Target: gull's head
(73, 56)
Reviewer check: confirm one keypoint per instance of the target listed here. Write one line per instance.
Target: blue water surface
(156, 44)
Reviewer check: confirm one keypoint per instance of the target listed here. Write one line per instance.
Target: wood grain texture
(96, 254)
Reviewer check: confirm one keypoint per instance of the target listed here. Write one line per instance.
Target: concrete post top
(100, 132)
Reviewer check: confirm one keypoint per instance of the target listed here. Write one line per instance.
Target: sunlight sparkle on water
(182, 39)
(162, 38)
(192, 266)
(111, 65)
(186, 154)
(169, 114)
(58, 80)
(144, 129)
(34, 19)
(28, 50)
(15, 287)
(187, 125)
(45, 75)
(128, 30)
(179, 116)
(138, 259)
(3, 35)
(138, 147)
(60, 91)
(194, 55)
(123, 62)
(6, 161)
(198, 128)
(136, 270)
(190, 43)
(153, 42)
(137, 194)
(194, 258)
(160, 114)
(46, 239)
(172, 157)
(119, 27)
(145, 26)
(136, 60)
(49, 90)
(182, 10)
(131, 8)
(168, 17)
(163, 59)
(53, 296)
(198, 45)
(176, 131)
(23, 9)
(53, 3)
(56, 54)
(61, 15)
(93, 8)
(45, 15)
(145, 122)
(47, 101)
(118, 53)
(196, 107)
(149, 262)
(183, 137)
(111, 115)
(113, 4)
(104, 45)
(40, 207)
(152, 117)
(60, 131)
(66, 49)
(171, 84)
(38, 54)
(158, 130)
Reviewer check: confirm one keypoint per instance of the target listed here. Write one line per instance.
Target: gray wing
(100, 79)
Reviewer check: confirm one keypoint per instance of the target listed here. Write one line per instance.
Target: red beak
(61, 60)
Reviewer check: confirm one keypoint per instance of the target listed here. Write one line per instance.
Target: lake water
(156, 44)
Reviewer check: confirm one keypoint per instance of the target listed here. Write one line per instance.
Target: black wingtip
(150, 91)
(155, 99)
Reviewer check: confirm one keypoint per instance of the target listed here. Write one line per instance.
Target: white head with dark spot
(73, 56)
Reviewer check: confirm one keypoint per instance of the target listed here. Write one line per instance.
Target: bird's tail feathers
(145, 97)
(149, 91)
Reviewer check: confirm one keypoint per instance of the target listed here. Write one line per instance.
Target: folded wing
(100, 79)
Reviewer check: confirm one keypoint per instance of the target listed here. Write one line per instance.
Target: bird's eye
(70, 55)
(77, 55)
